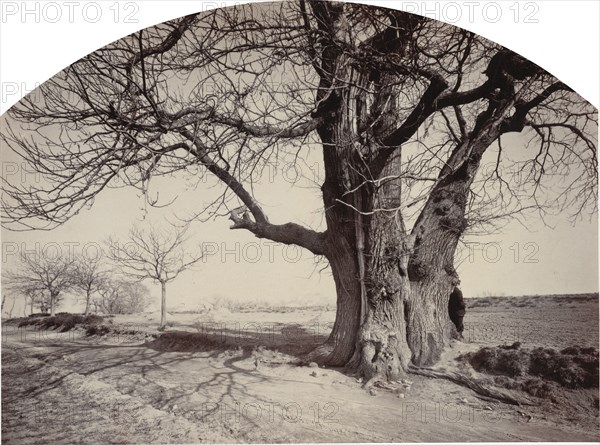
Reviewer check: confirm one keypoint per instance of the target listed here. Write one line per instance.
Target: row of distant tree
(110, 283)
(43, 284)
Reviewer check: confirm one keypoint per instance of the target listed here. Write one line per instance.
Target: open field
(552, 321)
(224, 376)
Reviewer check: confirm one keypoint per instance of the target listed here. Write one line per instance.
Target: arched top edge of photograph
(309, 192)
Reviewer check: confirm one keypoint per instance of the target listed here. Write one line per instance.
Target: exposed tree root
(478, 388)
(318, 355)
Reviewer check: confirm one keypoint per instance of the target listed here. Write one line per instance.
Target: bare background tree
(403, 109)
(9, 311)
(137, 297)
(34, 297)
(158, 254)
(38, 273)
(88, 277)
(120, 296)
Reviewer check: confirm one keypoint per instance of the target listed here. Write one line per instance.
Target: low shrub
(537, 388)
(573, 367)
(503, 360)
(28, 321)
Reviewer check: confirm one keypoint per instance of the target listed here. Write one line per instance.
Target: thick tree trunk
(382, 344)
(407, 317)
(163, 305)
(341, 143)
(393, 285)
(339, 348)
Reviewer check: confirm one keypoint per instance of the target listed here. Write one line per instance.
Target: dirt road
(70, 389)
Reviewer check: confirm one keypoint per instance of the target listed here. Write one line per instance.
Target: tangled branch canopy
(232, 90)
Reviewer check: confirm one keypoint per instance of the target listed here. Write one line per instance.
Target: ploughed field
(221, 376)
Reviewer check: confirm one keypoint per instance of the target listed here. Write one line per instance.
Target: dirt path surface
(48, 404)
(76, 390)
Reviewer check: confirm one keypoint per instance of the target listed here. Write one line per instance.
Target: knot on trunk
(450, 208)
(508, 64)
(417, 269)
(240, 217)
(454, 223)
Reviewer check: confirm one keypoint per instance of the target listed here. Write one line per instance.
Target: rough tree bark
(366, 245)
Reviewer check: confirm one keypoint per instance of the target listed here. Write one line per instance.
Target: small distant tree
(43, 303)
(160, 255)
(119, 296)
(87, 277)
(137, 297)
(9, 311)
(52, 275)
(110, 299)
(34, 296)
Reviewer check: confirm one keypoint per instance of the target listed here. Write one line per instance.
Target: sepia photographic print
(303, 221)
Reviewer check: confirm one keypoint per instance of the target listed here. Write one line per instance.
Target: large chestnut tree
(403, 109)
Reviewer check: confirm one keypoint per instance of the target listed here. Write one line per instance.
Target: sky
(529, 258)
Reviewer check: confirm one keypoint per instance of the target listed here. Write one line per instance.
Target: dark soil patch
(538, 371)
(62, 322)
